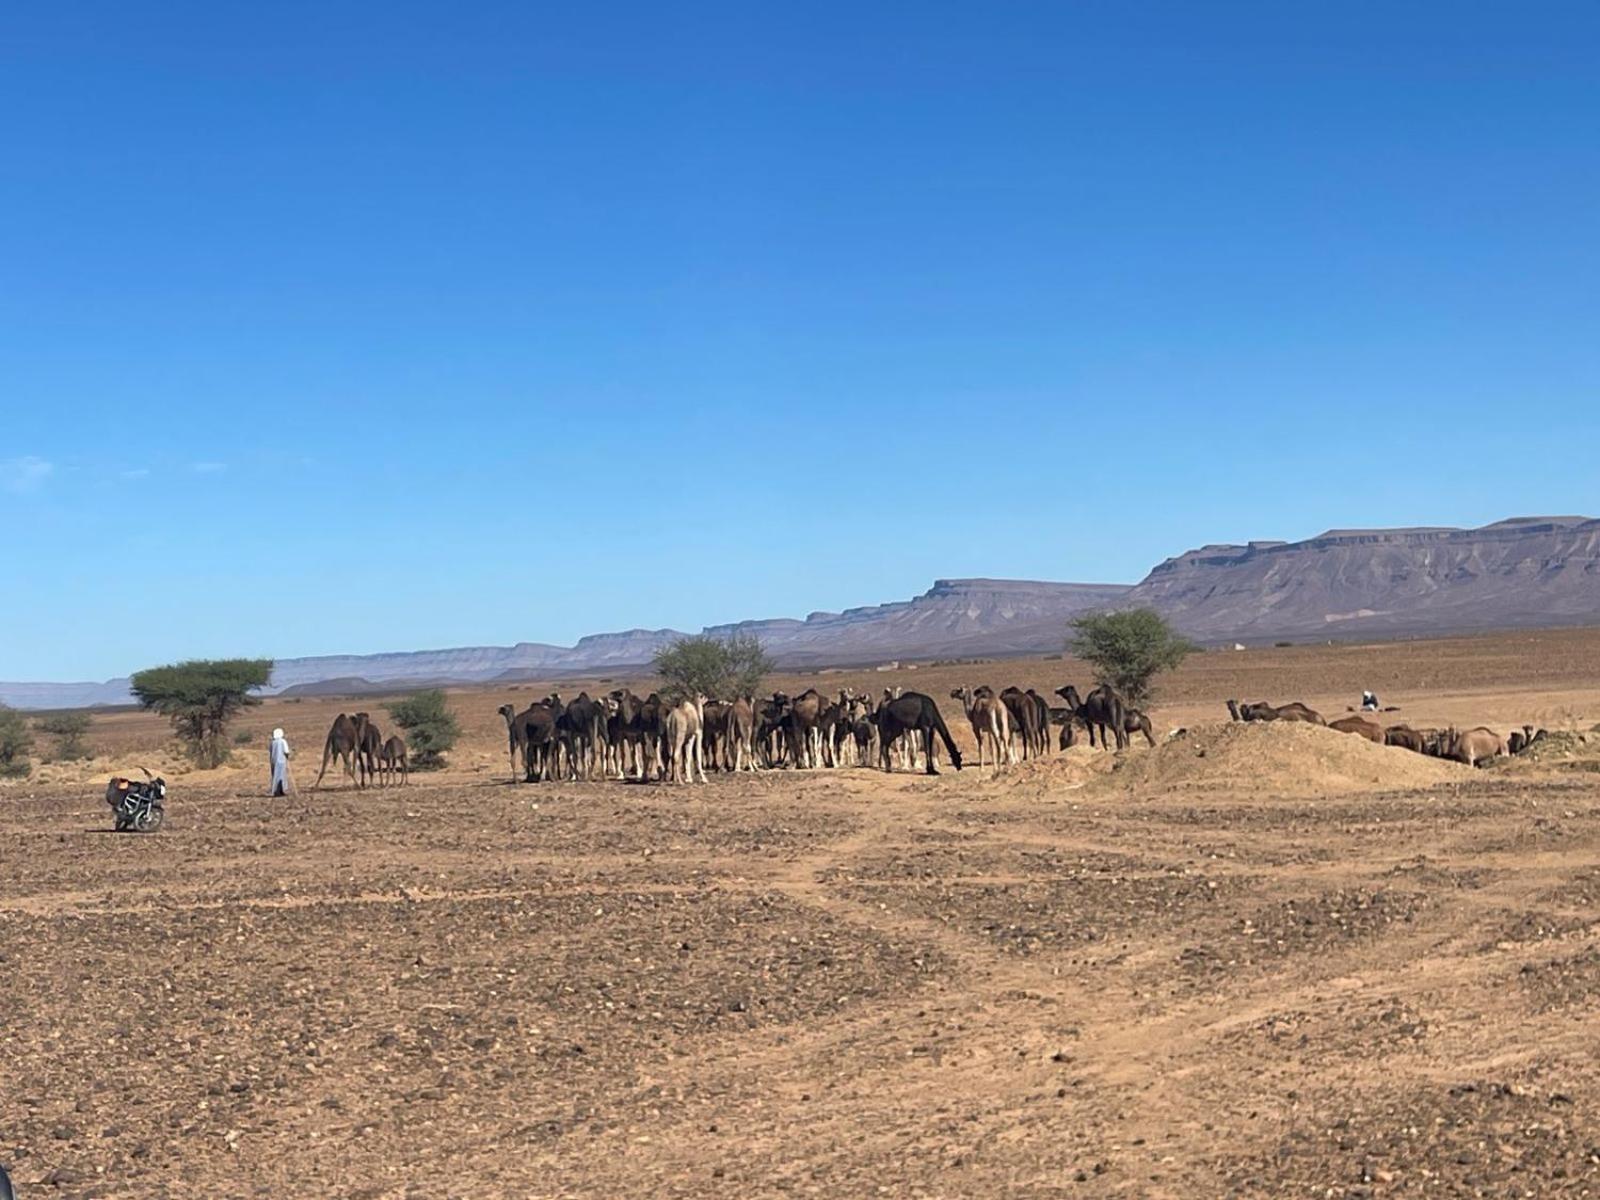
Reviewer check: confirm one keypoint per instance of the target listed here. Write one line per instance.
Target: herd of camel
(621, 736)
(359, 746)
(1471, 746)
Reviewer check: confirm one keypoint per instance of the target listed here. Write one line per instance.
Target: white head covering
(276, 734)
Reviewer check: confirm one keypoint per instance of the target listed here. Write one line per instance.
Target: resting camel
(1102, 709)
(909, 714)
(991, 722)
(1473, 746)
(343, 742)
(392, 755)
(1265, 712)
(1370, 730)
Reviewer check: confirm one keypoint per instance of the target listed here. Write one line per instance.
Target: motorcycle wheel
(123, 824)
(149, 820)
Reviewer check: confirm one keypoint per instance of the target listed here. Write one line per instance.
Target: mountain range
(1345, 583)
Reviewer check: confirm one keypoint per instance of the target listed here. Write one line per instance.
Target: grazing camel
(681, 745)
(390, 756)
(991, 722)
(1360, 726)
(344, 737)
(1102, 709)
(913, 713)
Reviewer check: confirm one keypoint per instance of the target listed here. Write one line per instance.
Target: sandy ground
(1252, 962)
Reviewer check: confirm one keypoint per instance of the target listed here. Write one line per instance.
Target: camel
(638, 733)
(585, 726)
(805, 715)
(1265, 712)
(344, 739)
(1419, 741)
(1041, 709)
(1102, 709)
(369, 744)
(1024, 721)
(516, 734)
(1370, 730)
(741, 733)
(681, 744)
(1135, 721)
(909, 713)
(991, 723)
(533, 733)
(1473, 746)
(392, 755)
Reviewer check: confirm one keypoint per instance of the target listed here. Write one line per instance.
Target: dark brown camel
(392, 755)
(912, 711)
(344, 739)
(1103, 709)
(369, 745)
(1024, 721)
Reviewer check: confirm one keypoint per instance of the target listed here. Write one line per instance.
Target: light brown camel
(991, 722)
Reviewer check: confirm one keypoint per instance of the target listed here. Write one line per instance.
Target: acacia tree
(716, 668)
(200, 697)
(1128, 649)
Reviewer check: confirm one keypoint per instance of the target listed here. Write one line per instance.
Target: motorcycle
(137, 804)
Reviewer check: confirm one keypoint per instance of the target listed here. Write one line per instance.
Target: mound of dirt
(1281, 758)
(1063, 771)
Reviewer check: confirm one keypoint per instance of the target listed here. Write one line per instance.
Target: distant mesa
(1521, 572)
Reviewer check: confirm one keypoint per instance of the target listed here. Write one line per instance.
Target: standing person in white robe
(278, 754)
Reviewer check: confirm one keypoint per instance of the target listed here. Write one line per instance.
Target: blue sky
(355, 326)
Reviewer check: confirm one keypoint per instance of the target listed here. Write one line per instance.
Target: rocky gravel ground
(837, 983)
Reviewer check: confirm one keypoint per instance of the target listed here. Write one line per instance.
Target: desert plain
(1251, 961)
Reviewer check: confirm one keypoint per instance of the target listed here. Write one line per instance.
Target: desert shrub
(16, 740)
(430, 728)
(200, 697)
(716, 668)
(1128, 649)
(69, 730)
(243, 737)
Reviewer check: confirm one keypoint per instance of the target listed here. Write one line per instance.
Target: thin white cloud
(25, 474)
(208, 468)
(137, 473)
